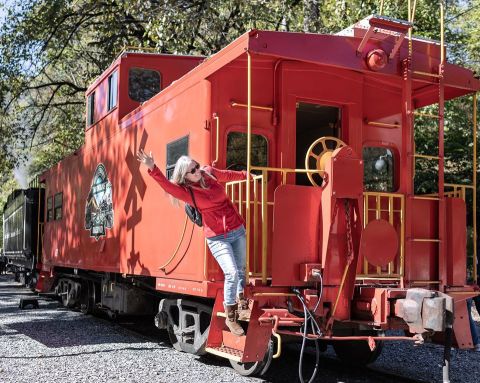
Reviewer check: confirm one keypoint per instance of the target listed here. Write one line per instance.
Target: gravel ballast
(52, 344)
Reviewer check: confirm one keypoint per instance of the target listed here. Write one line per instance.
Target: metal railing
(391, 207)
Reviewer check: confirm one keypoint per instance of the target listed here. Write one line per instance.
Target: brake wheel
(318, 153)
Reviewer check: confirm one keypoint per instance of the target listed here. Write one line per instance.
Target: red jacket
(218, 213)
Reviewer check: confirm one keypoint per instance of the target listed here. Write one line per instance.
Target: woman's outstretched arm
(226, 175)
(175, 190)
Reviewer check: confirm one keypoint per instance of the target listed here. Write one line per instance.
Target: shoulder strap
(193, 197)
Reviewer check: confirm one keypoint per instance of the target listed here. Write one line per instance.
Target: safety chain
(349, 231)
(350, 257)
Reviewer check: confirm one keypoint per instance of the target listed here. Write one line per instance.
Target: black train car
(22, 216)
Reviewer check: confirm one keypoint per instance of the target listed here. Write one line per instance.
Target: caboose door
(314, 121)
(317, 102)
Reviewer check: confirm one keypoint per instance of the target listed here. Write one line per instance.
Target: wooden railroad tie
(25, 302)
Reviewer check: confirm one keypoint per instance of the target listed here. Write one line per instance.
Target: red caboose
(335, 232)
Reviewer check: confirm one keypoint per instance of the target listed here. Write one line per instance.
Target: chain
(349, 231)
(350, 256)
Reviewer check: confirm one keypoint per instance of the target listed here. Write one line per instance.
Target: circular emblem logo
(99, 206)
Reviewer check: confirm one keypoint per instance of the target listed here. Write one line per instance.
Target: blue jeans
(476, 300)
(230, 251)
(473, 327)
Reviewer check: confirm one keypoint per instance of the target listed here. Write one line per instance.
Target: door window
(378, 169)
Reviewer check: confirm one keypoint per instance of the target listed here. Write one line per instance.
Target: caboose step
(223, 315)
(226, 352)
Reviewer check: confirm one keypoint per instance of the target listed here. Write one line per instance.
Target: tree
(50, 50)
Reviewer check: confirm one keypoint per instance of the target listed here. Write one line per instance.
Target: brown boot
(231, 321)
(243, 308)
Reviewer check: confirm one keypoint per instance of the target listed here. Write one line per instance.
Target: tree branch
(37, 124)
(59, 84)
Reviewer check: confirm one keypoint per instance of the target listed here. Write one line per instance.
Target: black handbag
(192, 211)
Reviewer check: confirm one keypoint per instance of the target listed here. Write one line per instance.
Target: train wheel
(358, 352)
(188, 325)
(66, 294)
(88, 296)
(174, 340)
(21, 278)
(69, 292)
(32, 282)
(259, 368)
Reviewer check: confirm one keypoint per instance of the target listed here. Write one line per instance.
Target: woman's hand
(146, 159)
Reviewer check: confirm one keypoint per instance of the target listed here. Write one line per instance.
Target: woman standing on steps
(223, 227)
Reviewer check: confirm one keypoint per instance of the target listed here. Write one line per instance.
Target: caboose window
(58, 200)
(378, 170)
(175, 150)
(143, 84)
(49, 209)
(112, 90)
(237, 151)
(91, 109)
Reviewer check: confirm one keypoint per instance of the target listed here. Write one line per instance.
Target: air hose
(309, 318)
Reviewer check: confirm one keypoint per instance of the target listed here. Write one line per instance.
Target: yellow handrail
(217, 143)
(287, 170)
(178, 246)
(249, 155)
(475, 187)
(234, 104)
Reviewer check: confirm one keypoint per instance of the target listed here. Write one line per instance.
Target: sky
(2, 14)
(4, 4)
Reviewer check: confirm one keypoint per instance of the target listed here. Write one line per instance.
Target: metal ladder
(439, 118)
(408, 117)
(439, 158)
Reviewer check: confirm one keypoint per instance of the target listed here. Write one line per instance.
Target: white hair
(179, 174)
(181, 170)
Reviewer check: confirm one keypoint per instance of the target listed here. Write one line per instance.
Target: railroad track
(285, 369)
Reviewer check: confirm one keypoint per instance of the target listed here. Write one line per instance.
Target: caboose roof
(337, 51)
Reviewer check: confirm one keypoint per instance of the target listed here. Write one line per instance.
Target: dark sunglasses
(194, 170)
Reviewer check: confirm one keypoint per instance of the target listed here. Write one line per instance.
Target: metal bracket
(386, 26)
